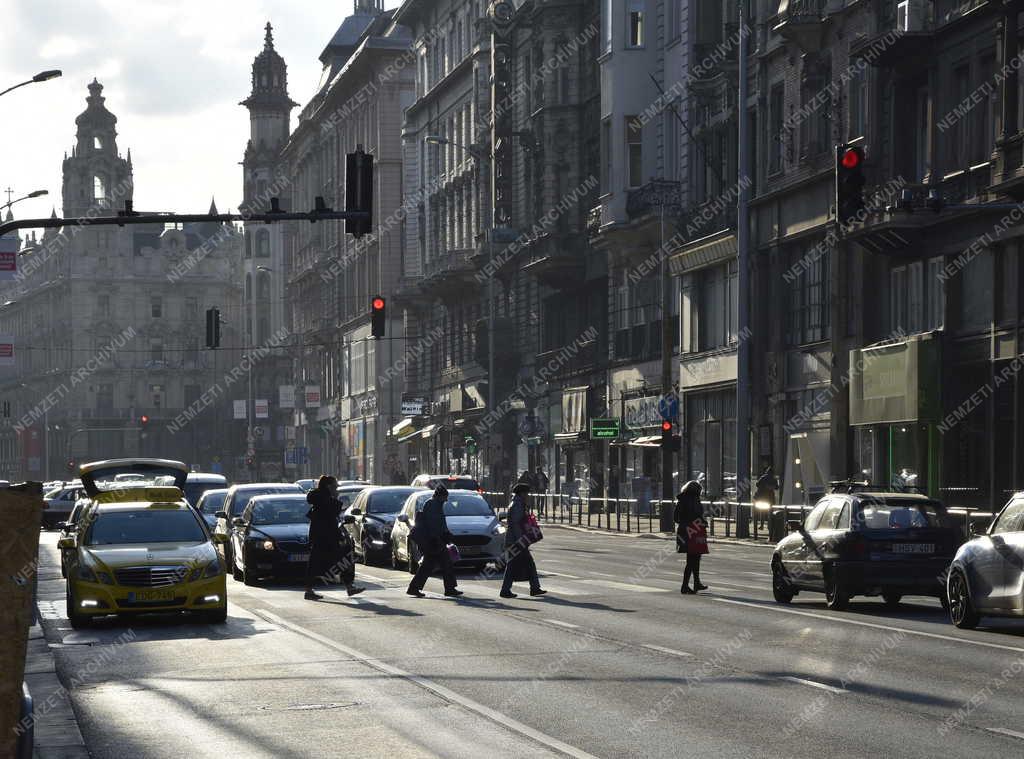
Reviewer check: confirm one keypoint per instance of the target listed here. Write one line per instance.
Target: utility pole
(743, 283)
(666, 368)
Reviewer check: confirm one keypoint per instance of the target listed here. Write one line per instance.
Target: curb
(57, 735)
(653, 535)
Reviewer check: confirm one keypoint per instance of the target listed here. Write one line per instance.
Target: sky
(173, 72)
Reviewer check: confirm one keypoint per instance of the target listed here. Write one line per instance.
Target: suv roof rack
(863, 486)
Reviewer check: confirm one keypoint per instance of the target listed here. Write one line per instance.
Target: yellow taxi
(140, 547)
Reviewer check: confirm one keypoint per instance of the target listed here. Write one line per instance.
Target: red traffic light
(144, 419)
(851, 158)
(377, 304)
(666, 426)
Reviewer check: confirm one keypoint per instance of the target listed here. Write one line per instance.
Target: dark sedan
(870, 544)
(235, 501)
(271, 538)
(375, 510)
(210, 502)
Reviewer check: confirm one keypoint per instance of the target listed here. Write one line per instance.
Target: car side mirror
(61, 525)
(356, 512)
(66, 543)
(348, 519)
(795, 526)
(403, 518)
(238, 522)
(221, 515)
(975, 530)
(220, 537)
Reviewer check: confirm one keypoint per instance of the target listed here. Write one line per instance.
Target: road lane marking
(662, 649)
(374, 577)
(1004, 731)
(439, 690)
(625, 586)
(559, 574)
(860, 623)
(562, 624)
(815, 684)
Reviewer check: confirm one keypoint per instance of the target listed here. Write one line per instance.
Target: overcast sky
(173, 72)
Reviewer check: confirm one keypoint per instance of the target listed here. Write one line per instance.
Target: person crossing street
(431, 536)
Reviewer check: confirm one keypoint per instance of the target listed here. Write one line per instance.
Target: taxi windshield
(144, 526)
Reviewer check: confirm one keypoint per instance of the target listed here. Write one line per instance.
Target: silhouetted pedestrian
(691, 534)
(431, 536)
(330, 547)
(519, 564)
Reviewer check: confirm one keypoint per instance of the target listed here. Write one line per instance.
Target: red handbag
(531, 530)
(696, 538)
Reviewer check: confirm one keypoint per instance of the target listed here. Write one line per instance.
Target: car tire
(961, 609)
(414, 563)
(367, 554)
(781, 589)
(837, 597)
(892, 600)
(249, 578)
(236, 573)
(396, 563)
(78, 621)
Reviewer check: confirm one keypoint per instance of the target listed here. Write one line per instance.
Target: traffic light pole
(743, 285)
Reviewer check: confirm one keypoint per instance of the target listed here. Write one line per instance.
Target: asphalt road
(613, 663)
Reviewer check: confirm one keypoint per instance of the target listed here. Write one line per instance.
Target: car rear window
(900, 515)
(389, 502)
(148, 526)
(211, 503)
(459, 483)
(242, 497)
(284, 511)
(467, 505)
(194, 490)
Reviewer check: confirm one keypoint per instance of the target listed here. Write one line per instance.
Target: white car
(476, 530)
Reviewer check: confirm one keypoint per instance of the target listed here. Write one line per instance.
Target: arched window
(262, 244)
(99, 188)
(248, 287)
(263, 330)
(248, 244)
(263, 289)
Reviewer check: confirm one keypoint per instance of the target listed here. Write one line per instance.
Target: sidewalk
(56, 729)
(655, 535)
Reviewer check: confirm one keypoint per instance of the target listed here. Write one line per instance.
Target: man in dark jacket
(431, 536)
(764, 494)
(330, 552)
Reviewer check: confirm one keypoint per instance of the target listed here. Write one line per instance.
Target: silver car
(474, 526)
(986, 577)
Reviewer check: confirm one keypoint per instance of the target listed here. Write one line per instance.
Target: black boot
(686, 582)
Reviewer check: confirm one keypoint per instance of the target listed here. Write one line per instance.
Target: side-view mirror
(795, 525)
(66, 543)
(220, 537)
(403, 518)
(348, 519)
(61, 525)
(221, 515)
(975, 529)
(238, 522)
(502, 516)
(356, 512)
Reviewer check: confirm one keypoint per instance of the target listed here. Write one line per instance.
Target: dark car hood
(297, 531)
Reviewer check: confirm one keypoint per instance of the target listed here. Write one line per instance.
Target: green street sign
(604, 428)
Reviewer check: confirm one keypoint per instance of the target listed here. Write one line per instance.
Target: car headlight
(498, 530)
(268, 545)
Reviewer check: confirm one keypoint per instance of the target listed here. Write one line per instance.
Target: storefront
(710, 423)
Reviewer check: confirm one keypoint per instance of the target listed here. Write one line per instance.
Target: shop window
(635, 23)
(809, 300)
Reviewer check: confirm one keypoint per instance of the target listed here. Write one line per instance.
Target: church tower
(95, 175)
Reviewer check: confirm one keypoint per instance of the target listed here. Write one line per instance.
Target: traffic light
(7, 409)
(471, 447)
(358, 191)
(250, 461)
(666, 435)
(378, 315)
(71, 465)
(143, 425)
(849, 182)
(213, 328)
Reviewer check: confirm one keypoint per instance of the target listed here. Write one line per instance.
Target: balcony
(449, 273)
(800, 22)
(904, 39)
(557, 260)
(585, 360)
(648, 199)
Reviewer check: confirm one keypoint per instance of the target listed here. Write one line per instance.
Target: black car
(867, 544)
(375, 510)
(236, 500)
(210, 502)
(271, 538)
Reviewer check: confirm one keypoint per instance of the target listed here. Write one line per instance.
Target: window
(935, 294)
(606, 22)
(833, 516)
(97, 142)
(776, 116)
(809, 300)
(984, 112)
(103, 306)
(957, 135)
(606, 164)
(635, 23)
(711, 300)
(99, 189)
(672, 20)
(191, 308)
(814, 518)
(634, 152)
(156, 393)
(858, 104)
(976, 292)
(105, 397)
(156, 351)
(192, 351)
(262, 244)
(1011, 520)
(156, 307)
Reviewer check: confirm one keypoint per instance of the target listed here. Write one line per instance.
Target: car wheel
(837, 597)
(236, 573)
(781, 588)
(249, 578)
(396, 563)
(961, 609)
(892, 600)
(367, 553)
(78, 621)
(414, 562)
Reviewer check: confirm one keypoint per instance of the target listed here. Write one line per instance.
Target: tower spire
(268, 40)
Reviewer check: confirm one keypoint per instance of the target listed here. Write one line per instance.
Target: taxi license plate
(913, 548)
(158, 594)
(298, 557)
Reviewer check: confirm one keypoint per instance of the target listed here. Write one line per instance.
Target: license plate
(469, 550)
(913, 548)
(298, 557)
(158, 594)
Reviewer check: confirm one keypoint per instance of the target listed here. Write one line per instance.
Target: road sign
(604, 428)
(669, 408)
(412, 408)
(250, 452)
(257, 431)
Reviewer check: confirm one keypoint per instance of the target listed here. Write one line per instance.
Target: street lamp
(42, 76)
(33, 194)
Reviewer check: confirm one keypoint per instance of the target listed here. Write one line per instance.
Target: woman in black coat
(691, 535)
(330, 550)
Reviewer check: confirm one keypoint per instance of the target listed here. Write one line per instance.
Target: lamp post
(33, 194)
(42, 76)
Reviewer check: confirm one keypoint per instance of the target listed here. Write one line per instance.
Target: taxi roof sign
(152, 494)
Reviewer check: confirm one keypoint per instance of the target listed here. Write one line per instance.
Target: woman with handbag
(691, 534)
(331, 551)
(522, 531)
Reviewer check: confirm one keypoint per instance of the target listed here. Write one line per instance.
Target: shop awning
(430, 431)
(647, 441)
(404, 430)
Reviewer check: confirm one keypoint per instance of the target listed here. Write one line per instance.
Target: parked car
(450, 482)
(867, 543)
(475, 528)
(986, 578)
(270, 538)
(306, 484)
(140, 549)
(59, 503)
(374, 510)
(236, 500)
(210, 502)
(198, 483)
